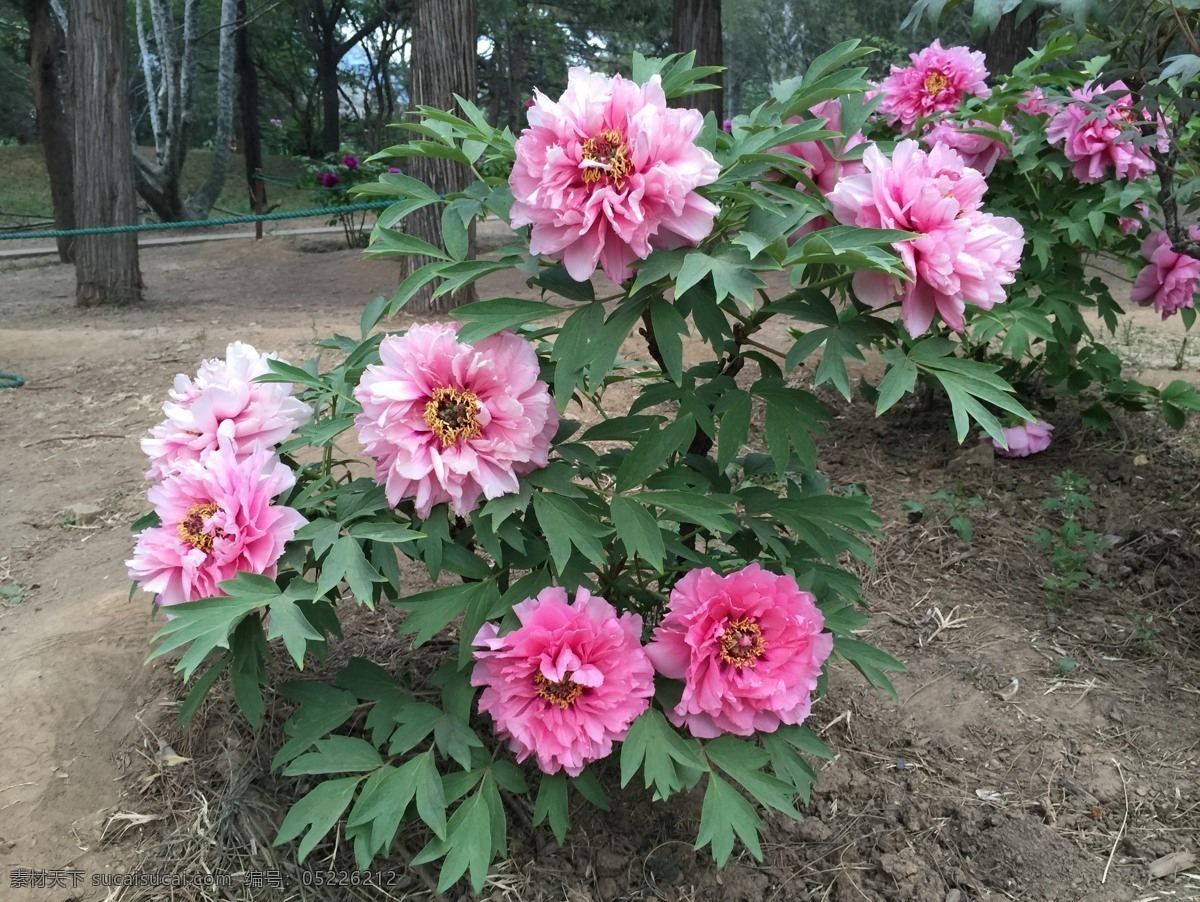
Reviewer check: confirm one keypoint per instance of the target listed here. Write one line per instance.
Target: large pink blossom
(1097, 140)
(1031, 437)
(216, 518)
(960, 255)
(824, 158)
(1171, 279)
(749, 648)
(223, 403)
(447, 421)
(936, 82)
(608, 173)
(567, 683)
(979, 151)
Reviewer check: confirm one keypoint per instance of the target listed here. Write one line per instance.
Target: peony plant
(641, 575)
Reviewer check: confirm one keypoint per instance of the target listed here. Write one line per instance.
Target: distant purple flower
(727, 125)
(350, 161)
(328, 179)
(394, 169)
(278, 123)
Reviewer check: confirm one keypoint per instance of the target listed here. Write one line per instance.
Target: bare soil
(1038, 750)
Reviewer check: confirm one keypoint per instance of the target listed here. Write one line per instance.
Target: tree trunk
(327, 80)
(49, 68)
(444, 39)
(1009, 42)
(201, 203)
(106, 266)
(248, 94)
(696, 25)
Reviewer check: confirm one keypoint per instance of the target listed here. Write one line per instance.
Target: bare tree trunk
(1007, 43)
(201, 203)
(106, 266)
(50, 70)
(327, 80)
(444, 37)
(696, 25)
(248, 94)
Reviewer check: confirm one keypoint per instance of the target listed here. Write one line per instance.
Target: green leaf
(322, 710)
(898, 381)
(571, 350)
(565, 524)
(317, 813)
(388, 531)
(454, 234)
(484, 318)
(651, 451)
(391, 243)
(287, 622)
(336, 755)
(468, 843)
(735, 426)
(638, 531)
(743, 762)
(726, 812)
(551, 804)
(707, 511)
(668, 327)
(870, 661)
(654, 747)
(347, 561)
(431, 611)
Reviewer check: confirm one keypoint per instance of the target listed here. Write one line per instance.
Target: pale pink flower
(567, 683)
(223, 403)
(936, 82)
(960, 256)
(1095, 139)
(608, 173)
(749, 648)
(979, 151)
(1131, 224)
(1035, 102)
(1171, 279)
(216, 519)
(824, 158)
(1029, 438)
(447, 421)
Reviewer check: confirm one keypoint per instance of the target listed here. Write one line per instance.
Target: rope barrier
(202, 224)
(11, 380)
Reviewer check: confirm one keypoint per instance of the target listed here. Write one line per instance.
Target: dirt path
(958, 787)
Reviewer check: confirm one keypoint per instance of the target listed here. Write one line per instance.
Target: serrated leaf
(651, 451)
(551, 804)
(346, 561)
(316, 814)
(726, 812)
(565, 524)
(638, 531)
(653, 747)
(322, 710)
(743, 762)
(431, 611)
(468, 844)
(287, 622)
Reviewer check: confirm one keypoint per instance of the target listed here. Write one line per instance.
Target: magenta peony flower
(447, 421)
(824, 158)
(980, 152)
(1030, 438)
(328, 179)
(350, 161)
(960, 256)
(1096, 141)
(1171, 280)
(567, 683)
(608, 173)
(223, 402)
(936, 82)
(216, 519)
(748, 647)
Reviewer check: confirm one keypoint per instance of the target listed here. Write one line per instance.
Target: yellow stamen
(609, 150)
(935, 82)
(453, 415)
(562, 693)
(191, 527)
(743, 644)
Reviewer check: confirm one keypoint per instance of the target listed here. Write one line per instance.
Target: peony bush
(641, 575)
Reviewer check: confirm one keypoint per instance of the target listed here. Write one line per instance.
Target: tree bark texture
(443, 64)
(247, 74)
(50, 73)
(106, 266)
(1007, 44)
(201, 203)
(696, 25)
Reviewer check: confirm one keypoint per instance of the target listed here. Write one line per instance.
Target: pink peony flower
(748, 647)
(223, 402)
(936, 82)
(608, 173)
(447, 421)
(1131, 224)
(980, 152)
(960, 256)
(1030, 438)
(1035, 102)
(1171, 280)
(1096, 141)
(824, 158)
(567, 683)
(216, 519)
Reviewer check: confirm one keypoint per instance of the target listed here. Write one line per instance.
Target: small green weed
(1072, 545)
(953, 506)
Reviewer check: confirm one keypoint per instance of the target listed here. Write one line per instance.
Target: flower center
(606, 157)
(452, 415)
(191, 527)
(743, 644)
(562, 693)
(935, 82)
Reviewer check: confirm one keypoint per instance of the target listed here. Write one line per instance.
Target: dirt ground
(1042, 752)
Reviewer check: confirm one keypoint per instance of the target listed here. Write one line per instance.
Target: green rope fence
(11, 380)
(200, 224)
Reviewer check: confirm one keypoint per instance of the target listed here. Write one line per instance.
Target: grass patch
(25, 190)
